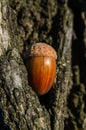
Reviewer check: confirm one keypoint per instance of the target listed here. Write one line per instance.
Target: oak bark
(23, 23)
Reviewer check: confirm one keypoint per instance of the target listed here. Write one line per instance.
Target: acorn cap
(42, 49)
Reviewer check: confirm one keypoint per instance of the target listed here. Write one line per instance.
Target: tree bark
(77, 97)
(23, 23)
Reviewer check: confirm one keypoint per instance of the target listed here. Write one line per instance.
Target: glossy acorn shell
(41, 73)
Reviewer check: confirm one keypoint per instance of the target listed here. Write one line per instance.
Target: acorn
(41, 67)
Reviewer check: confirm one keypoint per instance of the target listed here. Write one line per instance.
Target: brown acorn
(41, 66)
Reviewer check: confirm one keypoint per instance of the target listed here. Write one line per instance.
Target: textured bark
(26, 22)
(63, 81)
(77, 97)
(19, 105)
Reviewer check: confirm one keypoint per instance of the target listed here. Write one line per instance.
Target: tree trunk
(54, 22)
